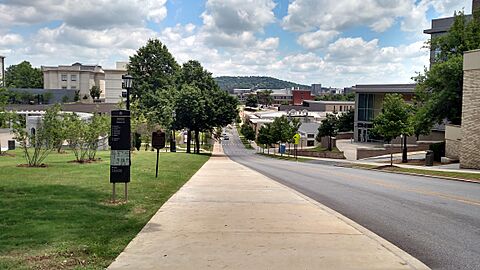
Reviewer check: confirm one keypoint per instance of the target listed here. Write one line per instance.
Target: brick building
(299, 96)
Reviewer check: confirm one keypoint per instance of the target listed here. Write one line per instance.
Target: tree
(75, 134)
(394, 120)
(155, 73)
(328, 128)
(218, 107)
(265, 97)
(265, 137)
(95, 92)
(39, 142)
(77, 96)
(440, 89)
(23, 75)
(54, 126)
(252, 101)
(283, 129)
(248, 132)
(96, 128)
(346, 121)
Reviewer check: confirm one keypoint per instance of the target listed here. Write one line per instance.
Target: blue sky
(337, 43)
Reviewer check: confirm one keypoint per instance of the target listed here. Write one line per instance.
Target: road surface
(436, 221)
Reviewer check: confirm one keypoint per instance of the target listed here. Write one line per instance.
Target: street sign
(120, 147)
(296, 138)
(158, 142)
(158, 139)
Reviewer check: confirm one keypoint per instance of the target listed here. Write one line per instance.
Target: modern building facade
(369, 104)
(82, 78)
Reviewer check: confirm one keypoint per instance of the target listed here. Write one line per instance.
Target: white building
(83, 77)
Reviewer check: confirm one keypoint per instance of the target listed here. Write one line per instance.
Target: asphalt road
(436, 221)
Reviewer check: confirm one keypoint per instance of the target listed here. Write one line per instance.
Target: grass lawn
(60, 217)
(285, 157)
(244, 141)
(461, 175)
(319, 148)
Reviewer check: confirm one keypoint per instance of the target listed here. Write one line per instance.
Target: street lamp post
(127, 81)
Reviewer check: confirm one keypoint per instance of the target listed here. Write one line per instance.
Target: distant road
(436, 221)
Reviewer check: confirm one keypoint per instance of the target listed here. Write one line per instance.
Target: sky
(337, 43)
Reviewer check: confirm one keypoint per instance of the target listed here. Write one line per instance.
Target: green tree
(265, 97)
(346, 121)
(37, 144)
(75, 135)
(252, 101)
(96, 129)
(95, 92)
(328, 128)
(440, 89)
(283, 129)
(54, 125)
(265, 137)
(23, 75)
(155, 73)
(218, 107)
(394, 120)
(248, 132)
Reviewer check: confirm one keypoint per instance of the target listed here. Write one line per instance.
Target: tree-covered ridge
(229, 83)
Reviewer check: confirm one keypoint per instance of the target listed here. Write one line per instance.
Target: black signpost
(158, 142)
(120, 150)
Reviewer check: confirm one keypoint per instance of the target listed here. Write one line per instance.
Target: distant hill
(228, 83)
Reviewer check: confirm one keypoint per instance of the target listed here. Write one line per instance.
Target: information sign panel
(120, 147)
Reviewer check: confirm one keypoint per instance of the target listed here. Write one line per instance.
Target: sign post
(158, 142)
(296, 139)
(120, 150)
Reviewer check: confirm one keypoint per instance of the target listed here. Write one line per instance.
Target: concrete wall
(453, 138)
(375, 152)
(470, 146)
(113, 85)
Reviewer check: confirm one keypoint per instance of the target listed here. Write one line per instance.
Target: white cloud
(86, 14)
(10, 40)
(316, 40)
(233, 23)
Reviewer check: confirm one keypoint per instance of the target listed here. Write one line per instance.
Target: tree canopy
(395, 118)
(23, 75)
(439, 90)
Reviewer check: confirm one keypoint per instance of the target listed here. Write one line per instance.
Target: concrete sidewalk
(231, 217)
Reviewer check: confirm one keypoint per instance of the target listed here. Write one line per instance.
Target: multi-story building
(369, 103)
(316, 89)
(113, 82)
(441, 26)
(301, 95)
(321, 106)
(83, 77)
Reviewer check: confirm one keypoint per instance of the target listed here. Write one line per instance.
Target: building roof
(442, 25)
(309, 128)
(385, 88)
(327, 102)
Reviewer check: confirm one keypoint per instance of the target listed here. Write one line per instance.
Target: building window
(310, 143)
(64, 87)
(73, 87)
(73, 78)
(64, 77)
(341, 108)
(311, 136)
(366, 107)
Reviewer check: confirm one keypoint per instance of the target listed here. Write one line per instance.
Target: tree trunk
(405, 151)
(329, 143)
(197, 141)
(189, 141)
(391, 153)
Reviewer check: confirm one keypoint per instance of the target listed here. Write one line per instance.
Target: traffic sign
(296, 139)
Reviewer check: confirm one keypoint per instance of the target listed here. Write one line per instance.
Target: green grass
(319, 148)
(460, 175)
(285, 157)
(60, 217)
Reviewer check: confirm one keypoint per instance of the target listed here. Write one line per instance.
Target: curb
(413, 262)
